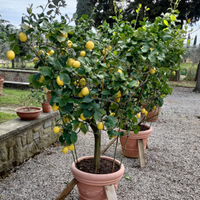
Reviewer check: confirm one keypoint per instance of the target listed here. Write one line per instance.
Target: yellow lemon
(80, 94)
(143, 110)
(41, 78)
(154, 107)
(89, 45)
(69, 43)
(71, 147)
(66, 119)
(151, 49)
(112, 114)
(59, 82)
(82, 117)
(75, 83)
(35, 48)
(64, 35)
(100, 125)
(138, 83)
(162, 95)
(40, 52)
(64, 51)
(22, 37)
(70, 61)
(82, 53)
(85, 91)
(152, 71)
(50, 52)
(56, 129)
(79, 125)
(65, 149)
(138, 115)
(76, 64)
(103, 51)
(109, 48)
(55, 107)
(82, 81)
(146, 113)
(117, 100)
(120, 71)
(10, 55)
(119, 94)
(35, 60)
(173, 73)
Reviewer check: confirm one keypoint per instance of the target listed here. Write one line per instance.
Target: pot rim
(38, 109)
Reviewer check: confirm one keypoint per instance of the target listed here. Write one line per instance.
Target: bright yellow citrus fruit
(59, 82)
(35, 60)
(41, 78)
(82, 117)
(173, 73)
(100, 125)
(69, 43)
(143, 110)
(114, 136)
(10, 55)
(109, 48)
(103, 51)
(76, 64)
(80, 94)
(89, 45)
(50, 52)
(71, 147)
(56, 129)
(152, 71)
(64, 35)
(112, 114)
(35, 48)
(119, 94)
(154, 107)
(22, 37)
(70, 61)
(117, 100)
(55, 107)
(40, 52)
(85, 91)
(120, 71)
(138, 115)
(65, 149)
(82, 81)
(79, 125)
(66, 119)
(146, 113)
(82, 53)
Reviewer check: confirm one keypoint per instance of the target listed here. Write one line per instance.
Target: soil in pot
(87, 165)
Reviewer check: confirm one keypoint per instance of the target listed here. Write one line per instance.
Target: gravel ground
(172, 170)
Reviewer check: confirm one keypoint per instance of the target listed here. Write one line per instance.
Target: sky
(12, 10)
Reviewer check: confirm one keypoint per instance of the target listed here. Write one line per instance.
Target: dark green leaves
(87, 99)
(46, 71)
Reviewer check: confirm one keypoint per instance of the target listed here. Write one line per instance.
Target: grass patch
(17, 98)
(6, 117)
(183, 83)
(18, 65)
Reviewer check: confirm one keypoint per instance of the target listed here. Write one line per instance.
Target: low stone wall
(19, 140)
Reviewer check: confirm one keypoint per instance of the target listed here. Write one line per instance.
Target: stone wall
(19, 140)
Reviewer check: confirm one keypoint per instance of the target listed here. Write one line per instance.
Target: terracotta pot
(132, 145)
(91, 186)
(1, 85)
(46, 108)
(24, 114)
(48, 95)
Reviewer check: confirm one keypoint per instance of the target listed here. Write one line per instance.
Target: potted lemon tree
(98, 80)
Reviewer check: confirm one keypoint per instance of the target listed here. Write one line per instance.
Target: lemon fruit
(59, 82)
(71, 147)
(40, 52)
(56, 129)
(119, 94)
(117, 100)
(143, 110)
(85, 91)
(82, 81)
(70, 61)
(173, 73)
(10, 55)
(50, 52)
(82, 117)
(100, 125)
(69, 43)
(152, 71)
(146, 113)
(55, 107)
(138, 115)
(41, 78)
(80, 94)
(109, 48)
(79, 125)
(112, 114)
(103, 51)
(154, 107)
(76, 64)
(89, 45)
(65, 149)
(66, 120)
(64, 35)
(35, 60)
(120, 71)
(82, 53)
(22, 37)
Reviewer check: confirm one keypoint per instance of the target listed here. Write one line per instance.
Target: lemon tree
(102, 79)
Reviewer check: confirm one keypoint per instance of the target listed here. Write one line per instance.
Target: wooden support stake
(111, 142)
(67, 190)
(110, 192)
(141, 153)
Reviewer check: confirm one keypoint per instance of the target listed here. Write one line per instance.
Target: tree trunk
(176, 77)
(97, 150)
(197, 88)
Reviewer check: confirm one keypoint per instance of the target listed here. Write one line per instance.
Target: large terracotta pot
(91, 186)
(132, 144)
(46, 108)
(1, 85)
(24, 114)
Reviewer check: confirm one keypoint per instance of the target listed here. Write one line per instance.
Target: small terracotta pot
(132, 144)
(91, 186)
(46, 108)
(1, 85)
(48, 95)
(24, 114)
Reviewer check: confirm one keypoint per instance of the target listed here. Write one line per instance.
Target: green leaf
(75, 15)
(97, 115)
(87, 113)
(62, 102)
(16, 49)
(67, 137)
(61, 140)
(73, 137)
(88, 99)
(46, 71)
(110, 122)
(68, 108)
(82, 60)
(60, 38)
(105, 92)
(166, 22)
(127, 177)
(102, 111)
(95, 105)
(84, 128)
(121, 134)
(65, 78)
(133, 84)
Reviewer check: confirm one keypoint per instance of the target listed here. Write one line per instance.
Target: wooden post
(67, 190)
(141, 152)
(110, 192)
(111, 142)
